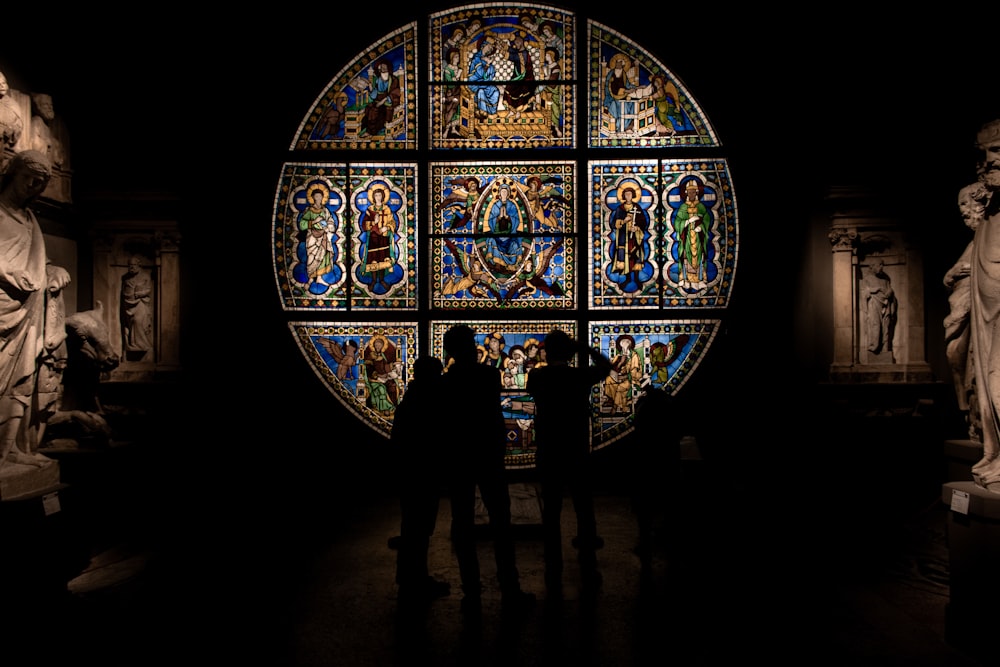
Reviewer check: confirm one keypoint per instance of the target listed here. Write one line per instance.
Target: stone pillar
(842, 240)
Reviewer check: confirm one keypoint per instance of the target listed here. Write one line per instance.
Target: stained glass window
(629, 243)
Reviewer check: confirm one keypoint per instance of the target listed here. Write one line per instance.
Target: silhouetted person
(655, 466)
(475, 435)
(562, 395)
(420, 481)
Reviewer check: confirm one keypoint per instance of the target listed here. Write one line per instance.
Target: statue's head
(43, 106)
(988, 142)
(28, 172)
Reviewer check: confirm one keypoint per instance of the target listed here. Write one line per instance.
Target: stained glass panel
(366, 365)
(643, 354)
(499, 76)
(346, 236)
(664, 234)
(371, 104)
(503, 235)
(635, 101)
(514, 348)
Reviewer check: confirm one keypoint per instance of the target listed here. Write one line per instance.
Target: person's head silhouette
(559, 347)
(460, 344)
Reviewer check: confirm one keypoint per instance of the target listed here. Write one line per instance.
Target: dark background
(204, 109)
(177, 109)
(200, 111)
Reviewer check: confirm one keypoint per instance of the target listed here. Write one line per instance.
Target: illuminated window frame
(653, 289)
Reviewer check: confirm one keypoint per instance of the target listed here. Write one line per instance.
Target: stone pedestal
(19, 480)
(973, 536)
(960, 456)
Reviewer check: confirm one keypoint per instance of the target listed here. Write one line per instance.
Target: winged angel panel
(365, 365)
(503, 235)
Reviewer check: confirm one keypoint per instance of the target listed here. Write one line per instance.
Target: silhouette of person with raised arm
(562, 395)
(476, 440)
(420, 481)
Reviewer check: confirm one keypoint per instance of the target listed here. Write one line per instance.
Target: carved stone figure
(32, 319)
(985, 310)
(136, 310)
(880, 308)
(11, 123)
(44, 138)
(77, 416)
(972, 204)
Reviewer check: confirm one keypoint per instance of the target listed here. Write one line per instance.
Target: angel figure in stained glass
(460, 202)
(470, 276)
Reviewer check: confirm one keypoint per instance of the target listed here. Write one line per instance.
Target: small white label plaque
(50, 503)
(960, 501)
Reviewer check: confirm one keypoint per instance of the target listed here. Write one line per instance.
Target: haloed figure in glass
(378, 225)
(692, 223)
(504, 250)
(629, 226)
(316, 224)
(382, 370)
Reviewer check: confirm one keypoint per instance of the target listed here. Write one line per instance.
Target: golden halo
(629, 185)
(378, 186)
(322, 188)
(619, 58)
(381, 337)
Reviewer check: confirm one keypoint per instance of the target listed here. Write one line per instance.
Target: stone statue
(880, 308)
(984, 314)
(972, 205)
(136, 309)
(32, 315)
(44, 138)
(11, 123)
(78, 417)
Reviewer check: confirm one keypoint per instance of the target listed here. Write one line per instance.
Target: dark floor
(734, 577)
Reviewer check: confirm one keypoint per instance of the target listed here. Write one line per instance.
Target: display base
(973, 534)
(960, 456)
(19, 480)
